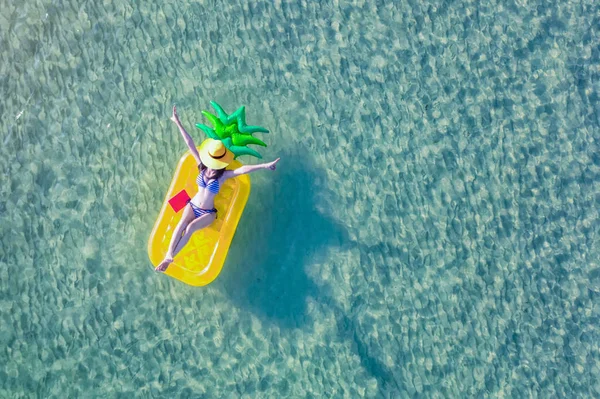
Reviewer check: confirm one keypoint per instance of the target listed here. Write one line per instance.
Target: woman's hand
(175, 117)
(272, 165)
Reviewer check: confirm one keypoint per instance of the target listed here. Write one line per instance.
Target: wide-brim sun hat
(214, 154)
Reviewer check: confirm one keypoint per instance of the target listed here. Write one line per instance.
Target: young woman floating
(212, 159)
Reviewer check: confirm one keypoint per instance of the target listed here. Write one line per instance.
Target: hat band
(218, 157)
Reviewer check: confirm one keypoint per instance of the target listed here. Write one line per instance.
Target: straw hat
(214, 154)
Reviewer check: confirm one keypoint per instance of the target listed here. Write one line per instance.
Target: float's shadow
(285, 230)
(281, 234)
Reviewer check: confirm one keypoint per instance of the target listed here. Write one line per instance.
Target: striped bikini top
(213, 186)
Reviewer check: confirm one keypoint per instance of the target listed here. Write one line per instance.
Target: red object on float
(179, 201)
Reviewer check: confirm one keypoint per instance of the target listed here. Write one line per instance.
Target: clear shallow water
(431, 231)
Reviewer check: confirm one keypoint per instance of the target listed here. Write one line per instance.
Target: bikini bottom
(200, 211)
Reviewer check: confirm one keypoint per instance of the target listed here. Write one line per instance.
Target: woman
(212, 159)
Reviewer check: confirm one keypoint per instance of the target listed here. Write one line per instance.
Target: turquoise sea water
(431, 230)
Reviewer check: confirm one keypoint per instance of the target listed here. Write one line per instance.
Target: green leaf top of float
(232, 130)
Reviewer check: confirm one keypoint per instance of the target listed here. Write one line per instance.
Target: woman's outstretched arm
(186, 136)
(242, 170)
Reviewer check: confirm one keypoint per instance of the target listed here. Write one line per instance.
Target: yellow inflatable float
(202, 259)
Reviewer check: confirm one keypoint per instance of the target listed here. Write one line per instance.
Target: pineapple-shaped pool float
(201, 260)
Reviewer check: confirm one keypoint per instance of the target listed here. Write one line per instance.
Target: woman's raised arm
(242, 170)
(186, 136)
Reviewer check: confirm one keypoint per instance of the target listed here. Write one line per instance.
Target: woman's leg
(186, 219)
(198, 224)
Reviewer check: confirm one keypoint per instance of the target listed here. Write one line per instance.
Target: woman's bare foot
(163, 265)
